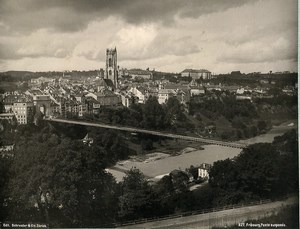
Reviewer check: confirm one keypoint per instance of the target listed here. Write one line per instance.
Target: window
(109, 72)
(110, 62)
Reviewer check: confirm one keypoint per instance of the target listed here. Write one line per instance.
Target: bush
(147, 144)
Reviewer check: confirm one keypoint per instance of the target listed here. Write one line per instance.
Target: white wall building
(165, 94)
(139, 92)
(23, 112)
(196, 74)
(203, 170)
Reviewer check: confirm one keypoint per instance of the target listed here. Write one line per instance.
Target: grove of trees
(150, 115)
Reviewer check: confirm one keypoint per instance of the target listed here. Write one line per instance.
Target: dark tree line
(261, 171)
(241, 114)
(57, 179)
(279, 99)
(228, 107)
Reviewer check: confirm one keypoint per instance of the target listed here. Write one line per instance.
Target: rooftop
(196, 71)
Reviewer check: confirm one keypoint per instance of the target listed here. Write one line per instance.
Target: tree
(238, 134)
(276, 91)
(223, 175)
(2, 109)
(135, 200)
(146, 144)
(179, 179)
(153, 114)
(258, 169)
(287, 145)
(253, 131)
(62, 183)
(5, 163)
(261, 125)
(163, 196)
(113, 146)
(174, 113)
(194, 171)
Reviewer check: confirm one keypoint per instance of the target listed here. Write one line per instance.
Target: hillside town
(65, 96)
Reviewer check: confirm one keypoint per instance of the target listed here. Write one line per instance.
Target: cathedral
(111, 70)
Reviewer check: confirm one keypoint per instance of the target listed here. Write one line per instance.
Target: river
(275, 131)
(209, 154)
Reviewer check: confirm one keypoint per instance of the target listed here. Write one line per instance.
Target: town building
(126, 100)
(91, 94)
(7, 116)
(92, 106)
(24, 112)
(203, 170)
(175, 86)
(231, 88)
(183, 96)
(213, 87)
(181, 92)
(107, 98)
(196, 74)
(55, 109)
(197, 90)
(104, 84)
(10, 99)
(79, 97)
(140, 92)
(165, 94)
(33, 91)
(152, 91)
(82, 109)
(8, 102)
(139, 73)
(40, 80)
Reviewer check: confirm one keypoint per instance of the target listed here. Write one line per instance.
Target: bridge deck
(157, 133)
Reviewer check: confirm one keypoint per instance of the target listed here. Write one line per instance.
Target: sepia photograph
(149, 114)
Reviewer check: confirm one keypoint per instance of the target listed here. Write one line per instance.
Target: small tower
(111, 70)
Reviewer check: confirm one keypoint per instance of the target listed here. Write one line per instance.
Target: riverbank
(161, 162)
(154, 168)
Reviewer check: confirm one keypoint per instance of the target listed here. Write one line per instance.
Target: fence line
(196, 212)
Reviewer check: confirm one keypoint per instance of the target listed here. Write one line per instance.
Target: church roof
(108, 83)
(104, 83)
(105, 93)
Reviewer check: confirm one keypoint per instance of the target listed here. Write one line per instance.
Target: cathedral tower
(111, 70)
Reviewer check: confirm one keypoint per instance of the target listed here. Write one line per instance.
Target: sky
(166, 35)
